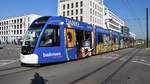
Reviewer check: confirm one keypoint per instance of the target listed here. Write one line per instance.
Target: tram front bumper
(29, 59)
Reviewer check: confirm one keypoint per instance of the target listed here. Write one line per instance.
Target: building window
(81, 18)
(20, 26)
(71, 12)
(7, 22)
(76, 17)
(20, 20)
(76, 4)
(17, 26)
(63, 6)
(17, 20)
(67, 13)
(93, 4)
(81, 11)
(17, 31)
(90, 10)
(90, 3)
(14, 26)
(67, 6)
(93, 12)
(72, 5)
(20, 31)
(64, 13)
(76, 11)
(81, 3)
(14, 21)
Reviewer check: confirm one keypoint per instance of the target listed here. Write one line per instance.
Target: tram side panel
(115, 42)
(70, 43)
(102, 41)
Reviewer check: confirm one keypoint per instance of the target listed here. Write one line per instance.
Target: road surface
(127, 66)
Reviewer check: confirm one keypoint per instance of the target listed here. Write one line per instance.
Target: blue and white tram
(59, 39)
(55, 39)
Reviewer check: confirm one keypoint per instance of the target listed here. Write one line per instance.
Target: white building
(89, 11)
(112, 21)
(14, 28)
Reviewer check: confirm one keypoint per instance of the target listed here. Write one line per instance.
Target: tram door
(70, 37)
(84, 42)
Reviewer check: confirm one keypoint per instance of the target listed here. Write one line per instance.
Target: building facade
(112, 21)
(89, 11)
(13, 29)
(93, 12)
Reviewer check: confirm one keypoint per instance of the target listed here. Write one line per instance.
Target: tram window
(79, 37)
(50, 37)
(100, 38)
(87, 35)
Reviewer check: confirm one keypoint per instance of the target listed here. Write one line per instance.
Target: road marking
(12, 48)
(148, 64)
(107, 57)
(6, 62)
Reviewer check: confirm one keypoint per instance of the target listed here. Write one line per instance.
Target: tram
(52, 39)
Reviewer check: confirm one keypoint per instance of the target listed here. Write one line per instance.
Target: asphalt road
(127, 66)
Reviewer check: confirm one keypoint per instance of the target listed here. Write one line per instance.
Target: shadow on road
(38, 79)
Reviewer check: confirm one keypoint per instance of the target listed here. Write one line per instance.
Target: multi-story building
(89, 11)
(14, 28)
(112, 21)
(92, 12)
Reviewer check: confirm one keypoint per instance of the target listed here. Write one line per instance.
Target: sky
(132, 11)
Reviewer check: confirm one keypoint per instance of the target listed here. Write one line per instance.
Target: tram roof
(59, 20)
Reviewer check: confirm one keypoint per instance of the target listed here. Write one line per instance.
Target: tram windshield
(31, 36)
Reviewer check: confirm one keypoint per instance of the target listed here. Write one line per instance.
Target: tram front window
(30, 39)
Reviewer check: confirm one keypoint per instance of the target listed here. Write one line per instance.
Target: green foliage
(141, 46)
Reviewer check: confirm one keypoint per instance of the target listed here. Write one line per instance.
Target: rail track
(106, 65)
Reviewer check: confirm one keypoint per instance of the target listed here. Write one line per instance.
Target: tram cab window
(50, 37)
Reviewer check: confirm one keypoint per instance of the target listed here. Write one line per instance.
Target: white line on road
(6, 62)
(141, 63)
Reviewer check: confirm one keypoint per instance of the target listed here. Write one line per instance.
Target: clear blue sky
(133, 11)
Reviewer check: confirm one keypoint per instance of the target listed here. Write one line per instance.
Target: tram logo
(51, 54)
(72, 23)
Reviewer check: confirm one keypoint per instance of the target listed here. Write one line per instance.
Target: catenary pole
(147, 35)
